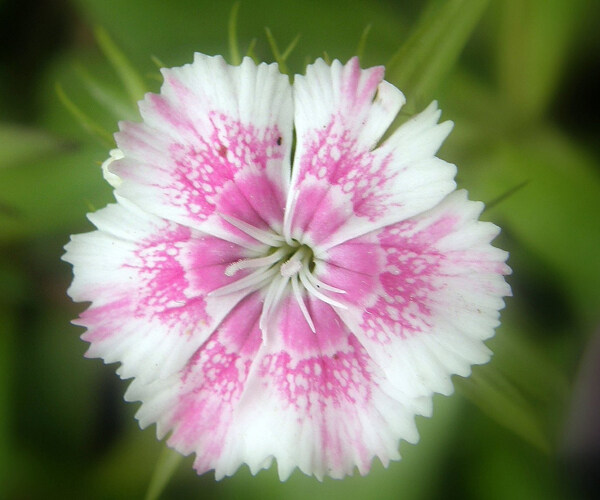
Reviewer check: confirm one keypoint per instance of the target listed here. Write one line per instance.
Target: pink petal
(197, 405)
(440, 289)
(148, 308)
(317, 401)
(341, 112)
(215, 141)
(354, 266)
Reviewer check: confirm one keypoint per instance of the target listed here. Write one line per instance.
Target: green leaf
(281, 57)
(535, 36)
(165, 468)
(251, 51)
(70, 183)
(89, 124)
(423, 61)
(234, 49)
(173, 30)
(125, 469)
(362, 42)
(6, 365)
(110, 100)
(19, 145)
(488, 389)
(525, 365)
(133, 82)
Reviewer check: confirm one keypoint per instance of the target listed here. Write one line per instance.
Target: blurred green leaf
(431, 51)
(535, 36)
(64, 410)
(507, 471)
(362, 42)
(20, 144)
(489, 390)
(51, 195)
(281, 57)
(125, 470)
(105, 96)
(165, 468)
(87, 122)
(174, 30)
(67, 72)
(525, 365)
(129, 76)
(234, 48)
(6, 408)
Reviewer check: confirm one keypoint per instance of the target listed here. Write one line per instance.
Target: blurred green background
(519, 79)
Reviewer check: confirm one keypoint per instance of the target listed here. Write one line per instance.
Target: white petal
(217, 139)
(440, 288)
(341, 113)
(149, 308)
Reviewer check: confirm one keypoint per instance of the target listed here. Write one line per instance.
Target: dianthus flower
(266, 309)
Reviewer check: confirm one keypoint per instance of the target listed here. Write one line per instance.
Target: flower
(304, 314)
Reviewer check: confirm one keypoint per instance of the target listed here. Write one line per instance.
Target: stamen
(266, 237)
(255, 262)
(310, 288)
(274, 293)
(287, 218)
(253, 280)
(319, 284)
(301, 304)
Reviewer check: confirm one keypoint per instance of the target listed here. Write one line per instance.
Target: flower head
(303, 311)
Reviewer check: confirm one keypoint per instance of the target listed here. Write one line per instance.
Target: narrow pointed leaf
(70, 183)
(535, 36)
(115, 104)
(132, 81)
(84, 120)
(488, 389)
(427, 56)
(360, 49)
(234, 50)
(165, 468)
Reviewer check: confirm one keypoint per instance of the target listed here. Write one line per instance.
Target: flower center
(287, 265)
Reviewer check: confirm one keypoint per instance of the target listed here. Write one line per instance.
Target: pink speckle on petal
(335, 157)
(213, 382)
(320, 380)
(202, 170)
(163, 277)
(299, 340)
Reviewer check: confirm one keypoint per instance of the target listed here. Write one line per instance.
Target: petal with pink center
(216, 141)
(441, 289)
(341, 113)
(147, 280)
(197, 406)
(354, 267)
(317, 401)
